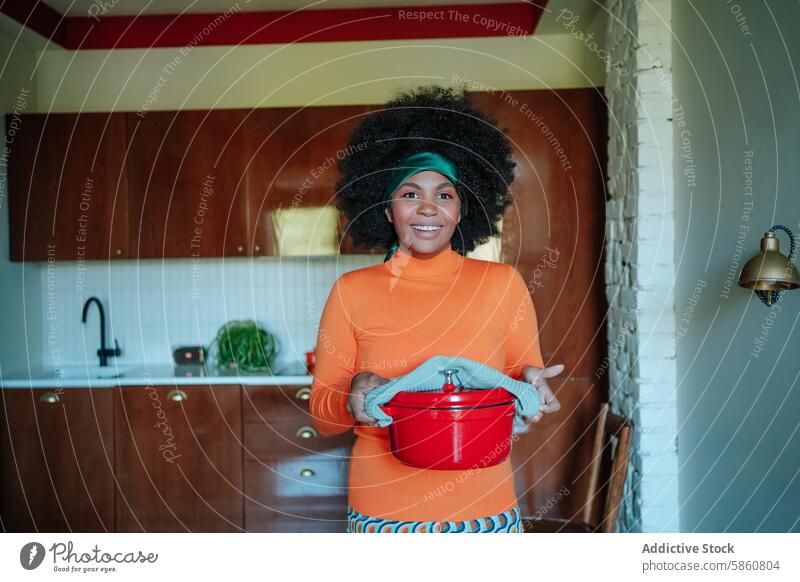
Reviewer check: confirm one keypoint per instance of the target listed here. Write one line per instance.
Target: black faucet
(103, 352)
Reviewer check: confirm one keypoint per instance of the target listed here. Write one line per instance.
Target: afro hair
(426, 118)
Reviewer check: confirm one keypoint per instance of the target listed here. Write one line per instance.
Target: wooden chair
(609, 464)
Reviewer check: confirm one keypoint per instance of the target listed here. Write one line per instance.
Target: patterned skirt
(506, 522)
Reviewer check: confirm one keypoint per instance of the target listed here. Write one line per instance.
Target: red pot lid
(461, 398)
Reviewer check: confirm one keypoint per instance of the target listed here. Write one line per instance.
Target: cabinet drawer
(296, 478)
(268, 403)
(286, 439)
(305, 495)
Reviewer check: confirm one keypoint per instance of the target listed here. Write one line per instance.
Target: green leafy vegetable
(246, 346)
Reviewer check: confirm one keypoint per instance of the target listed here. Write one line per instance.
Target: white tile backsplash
(153, 305)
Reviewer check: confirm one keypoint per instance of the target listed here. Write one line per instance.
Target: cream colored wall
(304, 73)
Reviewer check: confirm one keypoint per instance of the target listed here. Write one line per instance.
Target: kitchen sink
(78, 372)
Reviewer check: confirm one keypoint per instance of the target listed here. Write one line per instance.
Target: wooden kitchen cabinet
(67, 184)
(210, 458)
(56, 460)
(178, 459)
(169, 184)
(295, 152)
(188, 183)
(295, 479)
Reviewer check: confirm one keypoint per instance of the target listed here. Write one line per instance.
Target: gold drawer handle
(307, 473)
(49, 398)
(303, 394)
(177, 395)
(306, 432)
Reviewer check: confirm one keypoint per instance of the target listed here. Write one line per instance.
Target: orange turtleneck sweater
(390, 318)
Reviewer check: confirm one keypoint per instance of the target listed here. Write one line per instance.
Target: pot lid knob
(448, 380)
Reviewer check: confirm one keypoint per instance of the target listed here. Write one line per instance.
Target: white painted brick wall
(640, 269)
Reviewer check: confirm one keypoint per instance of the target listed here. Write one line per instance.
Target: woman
(428, 179)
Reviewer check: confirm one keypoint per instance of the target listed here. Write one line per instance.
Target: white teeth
(420, 227)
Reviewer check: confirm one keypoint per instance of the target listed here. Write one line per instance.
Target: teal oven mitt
(429, 377)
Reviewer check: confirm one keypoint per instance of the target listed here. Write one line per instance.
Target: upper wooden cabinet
(295, 152)
(293, 161)
(67, 187)
(187, 183)
(169, 184)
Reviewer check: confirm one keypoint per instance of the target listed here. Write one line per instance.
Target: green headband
(415, 164)
(419, 162)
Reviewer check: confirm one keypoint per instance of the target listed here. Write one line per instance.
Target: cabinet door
(67, 186)
(179, 459)
(187, 184)
(295, 156)
(56, 458)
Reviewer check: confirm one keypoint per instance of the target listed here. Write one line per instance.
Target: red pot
(452, 429)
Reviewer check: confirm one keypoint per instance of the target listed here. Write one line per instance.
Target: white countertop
(148, 375)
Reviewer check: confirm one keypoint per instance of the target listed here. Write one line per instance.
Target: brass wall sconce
(769, 272)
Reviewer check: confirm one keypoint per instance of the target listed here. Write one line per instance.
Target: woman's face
(425, 210)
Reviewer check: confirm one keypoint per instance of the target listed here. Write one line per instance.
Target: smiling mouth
(426, 227)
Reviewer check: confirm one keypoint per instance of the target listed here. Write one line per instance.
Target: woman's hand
(360, 384)
(538, 377)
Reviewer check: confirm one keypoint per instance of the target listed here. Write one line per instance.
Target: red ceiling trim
(325, 25)
(37, 16)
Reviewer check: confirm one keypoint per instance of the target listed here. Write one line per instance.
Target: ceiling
(119, 24)
(131, 7)
(586, 10)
